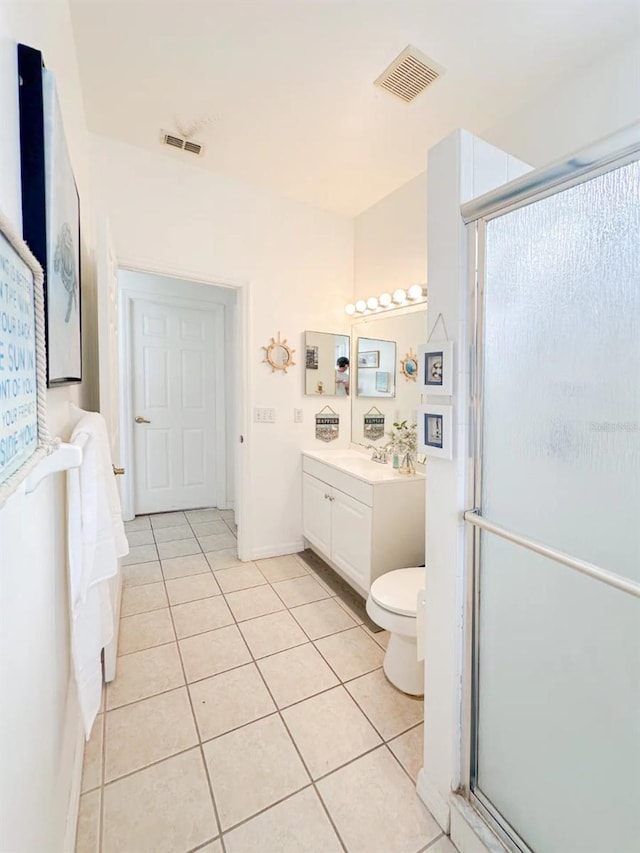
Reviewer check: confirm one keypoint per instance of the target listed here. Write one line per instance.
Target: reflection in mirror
(327, 368)
(376, 368)
(408, 327)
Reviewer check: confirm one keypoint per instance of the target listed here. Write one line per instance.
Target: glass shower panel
(558, 654)
(559, 722)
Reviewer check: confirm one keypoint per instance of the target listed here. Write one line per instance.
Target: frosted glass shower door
(557, 692)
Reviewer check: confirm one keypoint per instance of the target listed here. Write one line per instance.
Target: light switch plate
(297, 416)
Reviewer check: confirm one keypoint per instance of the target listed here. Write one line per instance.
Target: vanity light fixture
(401, 298)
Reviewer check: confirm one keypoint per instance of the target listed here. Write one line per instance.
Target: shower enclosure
(554, 698)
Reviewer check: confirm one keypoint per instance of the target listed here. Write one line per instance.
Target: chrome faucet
(379, 454)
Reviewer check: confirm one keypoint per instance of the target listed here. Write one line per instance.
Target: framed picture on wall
(435, 368)
(51, 214)
(435, 431)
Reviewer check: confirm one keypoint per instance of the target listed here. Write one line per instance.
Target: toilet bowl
(393, 604)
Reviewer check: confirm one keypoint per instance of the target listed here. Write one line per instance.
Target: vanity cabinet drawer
(352, 486)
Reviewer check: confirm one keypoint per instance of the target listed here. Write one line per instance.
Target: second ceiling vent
(175, 141)
(409, 75)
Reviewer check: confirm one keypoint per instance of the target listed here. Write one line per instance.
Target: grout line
(291, 738)
(202, 756)
(102, 771)
(433, 841)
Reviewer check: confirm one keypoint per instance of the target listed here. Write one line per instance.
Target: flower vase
(407, 465)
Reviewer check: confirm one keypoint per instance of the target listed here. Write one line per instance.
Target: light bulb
(415, 291)
(350, 309)
(361, 306)
(399, 296)
(372, 303)
(385, 299)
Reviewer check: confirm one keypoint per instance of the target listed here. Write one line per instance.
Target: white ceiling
(287, 85)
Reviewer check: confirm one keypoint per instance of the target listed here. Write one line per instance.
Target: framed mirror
(327, 364)
(409, 366)
(376, 361)
(279, 355)
(408, 328)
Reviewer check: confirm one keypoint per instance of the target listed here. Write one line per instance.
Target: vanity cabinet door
(351, 538)
(316, 513)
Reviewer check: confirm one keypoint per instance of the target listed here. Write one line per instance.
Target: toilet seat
(397, 591)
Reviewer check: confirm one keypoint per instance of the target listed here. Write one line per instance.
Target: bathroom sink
(358, 465)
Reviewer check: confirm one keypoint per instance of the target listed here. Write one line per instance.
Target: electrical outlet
(297, 416)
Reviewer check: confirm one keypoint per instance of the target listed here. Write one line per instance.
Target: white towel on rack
(96, 540)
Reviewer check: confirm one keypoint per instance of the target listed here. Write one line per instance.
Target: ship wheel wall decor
(279, 354)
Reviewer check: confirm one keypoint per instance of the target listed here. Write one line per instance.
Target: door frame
(602, 157)
(237, 369)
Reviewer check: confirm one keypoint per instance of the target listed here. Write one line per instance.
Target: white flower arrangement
(403, 438)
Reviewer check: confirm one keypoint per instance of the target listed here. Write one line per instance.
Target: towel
(96, 539)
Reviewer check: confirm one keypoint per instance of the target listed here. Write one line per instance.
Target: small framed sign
(327, 424)
(435, 368)
(435, 431)
(24, 437)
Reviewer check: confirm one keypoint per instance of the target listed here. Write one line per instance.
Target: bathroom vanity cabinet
(362, 518)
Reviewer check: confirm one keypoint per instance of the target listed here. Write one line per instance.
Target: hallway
(220, 732)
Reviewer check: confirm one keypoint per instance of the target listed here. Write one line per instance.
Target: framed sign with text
(24, 436)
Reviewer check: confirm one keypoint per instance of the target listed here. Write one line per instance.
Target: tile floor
(249, 712)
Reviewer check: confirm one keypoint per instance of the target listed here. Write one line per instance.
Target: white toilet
(393, 605)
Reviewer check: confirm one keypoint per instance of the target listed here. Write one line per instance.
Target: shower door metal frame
(616, 151)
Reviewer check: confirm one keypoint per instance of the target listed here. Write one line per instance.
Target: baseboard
(277, 550)
(73, 806)
(469, 833)
(434, 801)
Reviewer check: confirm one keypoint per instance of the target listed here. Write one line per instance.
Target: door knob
(141, 420)
(117, 471)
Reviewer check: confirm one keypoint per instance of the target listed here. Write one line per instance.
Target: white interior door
(108, 362)
(174, 405)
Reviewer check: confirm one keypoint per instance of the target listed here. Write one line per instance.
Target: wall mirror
(327, 365)
(376, 364)
(279, 355)
(406, 328)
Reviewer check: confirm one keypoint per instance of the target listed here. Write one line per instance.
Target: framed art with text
(51, 214)
(24, 436)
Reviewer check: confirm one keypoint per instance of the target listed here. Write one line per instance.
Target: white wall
(390, 241)
(39, 720)
(170, 216)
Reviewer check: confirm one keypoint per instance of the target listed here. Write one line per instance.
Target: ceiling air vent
(174, 141)
(409, 75)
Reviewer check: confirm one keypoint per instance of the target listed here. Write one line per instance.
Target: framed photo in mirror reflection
(369, 359)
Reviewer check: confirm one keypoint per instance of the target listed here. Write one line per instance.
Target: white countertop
(361, 466)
